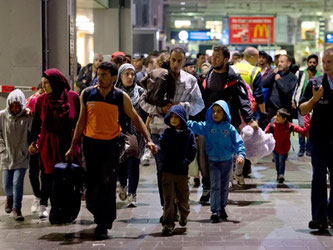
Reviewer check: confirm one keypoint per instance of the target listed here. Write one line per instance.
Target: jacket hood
(16, 96)
(223, 105)
(180, 112)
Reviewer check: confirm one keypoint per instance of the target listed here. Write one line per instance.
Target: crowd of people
(181, 110)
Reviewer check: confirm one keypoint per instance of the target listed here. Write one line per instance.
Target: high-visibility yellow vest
(247, 72)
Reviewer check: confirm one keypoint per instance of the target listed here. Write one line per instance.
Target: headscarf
(132, 91)
(58, 99)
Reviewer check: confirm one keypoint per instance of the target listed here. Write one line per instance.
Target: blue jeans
(12, 181)
(219, 181)
(129, 170)
(155, 138)
(280, 163)
(321, 160)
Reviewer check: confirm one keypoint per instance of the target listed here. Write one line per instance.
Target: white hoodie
(14, 132)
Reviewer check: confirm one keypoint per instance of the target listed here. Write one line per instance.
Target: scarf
(132, 91)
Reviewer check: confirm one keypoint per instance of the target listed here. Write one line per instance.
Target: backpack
(160, 86)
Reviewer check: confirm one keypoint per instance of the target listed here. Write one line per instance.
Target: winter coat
(234, 93)
(280, 90)
(221, 139)
(177, 147)
(14, 133)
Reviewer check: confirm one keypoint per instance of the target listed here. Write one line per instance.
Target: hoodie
(177, 147)
(14, 132)
(221, 139)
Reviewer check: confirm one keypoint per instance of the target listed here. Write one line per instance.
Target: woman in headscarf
(135, 144)
(55, 117)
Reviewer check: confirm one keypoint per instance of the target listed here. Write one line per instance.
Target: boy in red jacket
(281, 128)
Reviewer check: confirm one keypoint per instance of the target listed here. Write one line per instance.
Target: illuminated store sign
(251, 30)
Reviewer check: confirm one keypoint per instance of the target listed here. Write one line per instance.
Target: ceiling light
(182, 3)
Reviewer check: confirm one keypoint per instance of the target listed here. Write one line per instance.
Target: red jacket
(281, 133)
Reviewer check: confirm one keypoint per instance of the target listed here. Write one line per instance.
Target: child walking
(281, 128)
(222, 141)
(14, 131)
(178, 148)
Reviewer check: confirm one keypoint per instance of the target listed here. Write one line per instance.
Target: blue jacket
(177, 147)
(221, 139)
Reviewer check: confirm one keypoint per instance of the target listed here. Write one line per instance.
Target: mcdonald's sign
(251, 30)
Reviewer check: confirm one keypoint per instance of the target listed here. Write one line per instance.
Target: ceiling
(245, 7)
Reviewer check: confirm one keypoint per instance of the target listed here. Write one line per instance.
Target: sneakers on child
(43, 213)
(123, 193)
(9, 205)
(281, 179)
(223, 215)
(214, 218)
(183, 222)
(132, 200)
(35, 205)
(205, 196)
(17, 214)
(167, 230)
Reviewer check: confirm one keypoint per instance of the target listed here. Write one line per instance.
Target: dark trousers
(102, 159)
(34, 172)
(129, 169)
(175, 190)
(155, 138)
(46, 187)
(321, 160)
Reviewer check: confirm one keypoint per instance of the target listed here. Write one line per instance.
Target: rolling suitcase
(66, 193)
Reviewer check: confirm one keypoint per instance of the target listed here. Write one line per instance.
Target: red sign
(251, 30)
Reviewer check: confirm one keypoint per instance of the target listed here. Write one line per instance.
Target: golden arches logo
(262, 29)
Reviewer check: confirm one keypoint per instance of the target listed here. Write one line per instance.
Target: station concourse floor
(263, 216)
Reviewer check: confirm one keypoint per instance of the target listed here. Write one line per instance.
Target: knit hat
(190, 62)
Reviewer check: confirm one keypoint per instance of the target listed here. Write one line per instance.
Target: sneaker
(308, 153)
(123, 193)
(43, 213)
(196, 183)
(300, 153)
(205, 196)
(230, 186)
(9, 205)
(183, 222)
(280, 179)
(101, 233)
(223, 214)
(132, 200)
(167, 230)
(315, 224)
(214, 218)
(17, 214)
(35, 205)
(240, 180)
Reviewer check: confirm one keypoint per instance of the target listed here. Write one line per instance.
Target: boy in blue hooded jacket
(222, 141)
(178, 148)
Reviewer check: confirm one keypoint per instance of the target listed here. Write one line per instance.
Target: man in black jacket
(318, 96)
(88, 73)
(222, 83)
(281, 84)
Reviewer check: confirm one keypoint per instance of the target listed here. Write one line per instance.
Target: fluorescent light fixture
(182, 23)
(182, 3)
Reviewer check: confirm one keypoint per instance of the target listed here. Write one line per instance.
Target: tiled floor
(263, 216)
